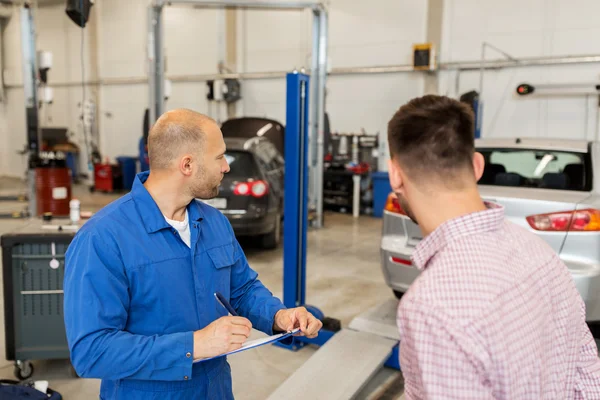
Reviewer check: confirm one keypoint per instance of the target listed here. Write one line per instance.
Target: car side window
(262, 156)
(268, 156)
(276, 160)
(263, 164)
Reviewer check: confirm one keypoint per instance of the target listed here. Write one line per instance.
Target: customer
(495, 313)
(141, 275)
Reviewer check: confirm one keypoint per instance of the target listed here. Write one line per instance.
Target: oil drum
(53, 187)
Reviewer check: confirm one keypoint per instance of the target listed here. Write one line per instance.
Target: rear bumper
(399, 277)
(251, 226)
(587, 280)
(586, 275)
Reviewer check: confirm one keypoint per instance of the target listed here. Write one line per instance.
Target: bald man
(140, 278)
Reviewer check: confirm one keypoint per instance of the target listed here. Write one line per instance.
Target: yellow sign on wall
(424, 57)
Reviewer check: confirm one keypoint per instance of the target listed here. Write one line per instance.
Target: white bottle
(74, 205)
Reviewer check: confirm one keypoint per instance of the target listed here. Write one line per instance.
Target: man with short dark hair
(494, 313)
(142, 274)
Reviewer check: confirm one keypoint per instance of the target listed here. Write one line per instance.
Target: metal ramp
(346, 363)
(379, 320)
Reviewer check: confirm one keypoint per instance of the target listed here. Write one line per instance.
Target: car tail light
(241, 189)
(401, 261)
(392, 204)
(259, 188)
(569, 221)
(251, 188)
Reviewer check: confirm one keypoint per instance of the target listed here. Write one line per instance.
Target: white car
(550, 187)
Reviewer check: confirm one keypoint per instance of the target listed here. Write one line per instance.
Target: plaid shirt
(494, 315)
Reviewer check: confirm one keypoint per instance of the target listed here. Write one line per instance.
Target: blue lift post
(296, 209)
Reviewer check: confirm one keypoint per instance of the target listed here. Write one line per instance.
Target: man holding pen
(141, 277)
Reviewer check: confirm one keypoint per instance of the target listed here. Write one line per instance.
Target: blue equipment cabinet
(381, 190)
(296, 209)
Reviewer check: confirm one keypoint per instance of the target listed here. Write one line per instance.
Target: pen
(223, 301)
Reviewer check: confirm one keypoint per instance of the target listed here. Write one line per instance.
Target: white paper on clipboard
(255, 343)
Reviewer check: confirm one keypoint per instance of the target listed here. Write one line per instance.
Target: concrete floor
(344, 279)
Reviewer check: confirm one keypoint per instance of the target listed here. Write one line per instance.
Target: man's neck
(168, 195)
(436, 210)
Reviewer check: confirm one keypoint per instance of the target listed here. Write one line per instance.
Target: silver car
(550, 187)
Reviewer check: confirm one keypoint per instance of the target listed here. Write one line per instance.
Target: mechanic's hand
(223, 335)
(286, 320)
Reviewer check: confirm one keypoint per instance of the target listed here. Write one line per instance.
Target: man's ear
(395, 175)
(185, 165)
(478, 165)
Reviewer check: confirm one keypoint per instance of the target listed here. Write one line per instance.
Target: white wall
(191, 48)
(360, 34)
(114, 47)
(531, 28)
(57, 34)
(379, 32)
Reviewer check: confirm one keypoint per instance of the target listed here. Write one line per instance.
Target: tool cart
(33, 261)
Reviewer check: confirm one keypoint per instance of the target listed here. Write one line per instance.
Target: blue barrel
(381, 191)
(128, 169)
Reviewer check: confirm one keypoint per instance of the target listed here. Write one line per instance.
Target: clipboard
(254, 344)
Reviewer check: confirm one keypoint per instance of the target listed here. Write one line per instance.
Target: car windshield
(241, 164)
(560, 170)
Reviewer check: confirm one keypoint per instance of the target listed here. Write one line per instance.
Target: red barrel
(53, 190)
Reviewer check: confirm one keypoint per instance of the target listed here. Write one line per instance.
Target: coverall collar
(150, 214)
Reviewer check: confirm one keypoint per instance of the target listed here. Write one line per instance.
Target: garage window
(559, 170)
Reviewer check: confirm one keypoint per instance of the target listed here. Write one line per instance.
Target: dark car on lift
(249, 127)
(251, 194)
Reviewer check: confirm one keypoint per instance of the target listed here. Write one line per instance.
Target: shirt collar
(471, 224)
(150, 214)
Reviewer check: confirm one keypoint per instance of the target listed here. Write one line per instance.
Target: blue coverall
(134, 293)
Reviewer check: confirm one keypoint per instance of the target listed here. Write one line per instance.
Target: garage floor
(344, 279)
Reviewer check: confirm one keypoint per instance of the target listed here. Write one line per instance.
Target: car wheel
(272, 239)
(398, 294)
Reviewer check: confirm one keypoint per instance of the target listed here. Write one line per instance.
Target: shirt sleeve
(96, 301)
(587, 385)
(436, 357)
(249, 297)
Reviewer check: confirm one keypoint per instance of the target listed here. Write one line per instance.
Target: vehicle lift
(347, 358)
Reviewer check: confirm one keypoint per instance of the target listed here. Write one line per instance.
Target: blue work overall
(135, 293)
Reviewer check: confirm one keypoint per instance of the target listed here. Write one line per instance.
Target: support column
(435, 18)
(156, 63)
(231, 50)
(30, 71)
(317, 114)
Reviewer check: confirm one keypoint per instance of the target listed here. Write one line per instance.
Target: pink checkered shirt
(494, 315)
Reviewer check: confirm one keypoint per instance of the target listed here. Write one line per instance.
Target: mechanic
(141, 275)
(494, 313)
